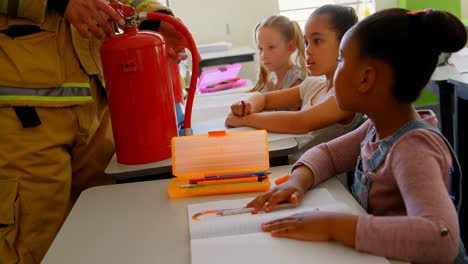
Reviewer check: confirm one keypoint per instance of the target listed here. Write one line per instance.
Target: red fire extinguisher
(138, 83)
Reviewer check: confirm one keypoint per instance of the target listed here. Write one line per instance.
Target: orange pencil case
(219, 153)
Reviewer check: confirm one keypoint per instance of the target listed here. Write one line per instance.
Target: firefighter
(55, 133)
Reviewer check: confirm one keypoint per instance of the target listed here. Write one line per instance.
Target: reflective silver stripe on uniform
(59, 92)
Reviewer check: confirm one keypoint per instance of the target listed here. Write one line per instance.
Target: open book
(238, 238)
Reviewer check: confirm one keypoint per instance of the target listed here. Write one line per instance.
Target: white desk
(442, 73)
(205, 109)
(138, 223)
(123, 173)
(221, 101)
(233, 55)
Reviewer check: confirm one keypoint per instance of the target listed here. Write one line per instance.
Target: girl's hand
(315, 226)
(242, 108)
(309, 225)
(234, 121)
(290, 191)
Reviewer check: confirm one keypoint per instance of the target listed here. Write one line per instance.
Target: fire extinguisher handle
(124, 10)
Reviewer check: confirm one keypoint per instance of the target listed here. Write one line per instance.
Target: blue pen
(260, 175)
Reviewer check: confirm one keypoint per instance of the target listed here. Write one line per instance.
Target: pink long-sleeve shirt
(409, 204)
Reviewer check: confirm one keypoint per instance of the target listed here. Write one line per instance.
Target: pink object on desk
(221, 78)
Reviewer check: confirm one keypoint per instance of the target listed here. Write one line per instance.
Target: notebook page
(211, 225)
(262, 248)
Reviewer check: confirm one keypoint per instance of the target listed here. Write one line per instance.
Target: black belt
(20, 30)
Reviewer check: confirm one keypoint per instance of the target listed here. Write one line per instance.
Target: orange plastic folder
(219, 153)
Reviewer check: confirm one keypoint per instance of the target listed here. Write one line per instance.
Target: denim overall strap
(378, 157)
(362, 180)
(461, 258)
(370, 133)
(455, 172)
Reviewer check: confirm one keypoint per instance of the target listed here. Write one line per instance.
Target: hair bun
(446, 33)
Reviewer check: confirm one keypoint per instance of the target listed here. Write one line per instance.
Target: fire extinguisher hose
(195, 61)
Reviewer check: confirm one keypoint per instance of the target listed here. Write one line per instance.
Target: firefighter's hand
(175, 41)
(90, 17)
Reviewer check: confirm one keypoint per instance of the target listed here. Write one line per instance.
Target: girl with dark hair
(403, 164)
(319, 113)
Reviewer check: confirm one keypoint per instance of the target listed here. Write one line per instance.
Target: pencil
(240, 176)
(224, 181)
(221, 181)
(282, 179)
(230, 185)
(250, 209)
(223, 176)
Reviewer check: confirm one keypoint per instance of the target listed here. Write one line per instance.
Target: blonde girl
(277, 38)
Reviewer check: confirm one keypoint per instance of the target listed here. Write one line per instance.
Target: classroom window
(300, 10)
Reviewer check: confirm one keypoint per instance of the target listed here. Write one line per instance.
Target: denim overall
(363, 180)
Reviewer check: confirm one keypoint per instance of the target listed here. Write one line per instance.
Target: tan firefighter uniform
(55, 134)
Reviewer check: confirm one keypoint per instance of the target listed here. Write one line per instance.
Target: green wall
(453, 6)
